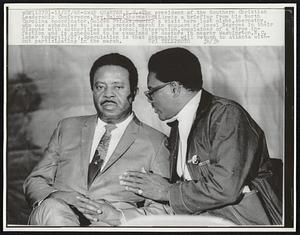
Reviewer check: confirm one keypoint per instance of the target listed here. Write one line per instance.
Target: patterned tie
(173, 147)
(100, 153)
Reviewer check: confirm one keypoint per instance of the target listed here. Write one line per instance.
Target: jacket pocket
(200, 168)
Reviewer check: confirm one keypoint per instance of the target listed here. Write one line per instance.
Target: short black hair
(118, 60)
(177, 64)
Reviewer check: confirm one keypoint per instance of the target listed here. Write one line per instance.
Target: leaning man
(219, 157)
(76, 182)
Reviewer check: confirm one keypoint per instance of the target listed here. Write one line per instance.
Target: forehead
(111, 73)
(152, 80)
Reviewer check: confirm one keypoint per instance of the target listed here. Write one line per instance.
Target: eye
(99, 87)
(118, 87)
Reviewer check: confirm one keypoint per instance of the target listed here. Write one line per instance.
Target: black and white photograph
(117, 124)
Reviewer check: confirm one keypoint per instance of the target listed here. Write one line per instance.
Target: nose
(109, 92)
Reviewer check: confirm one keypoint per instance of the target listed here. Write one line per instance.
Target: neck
(114, 120)
(184, 98)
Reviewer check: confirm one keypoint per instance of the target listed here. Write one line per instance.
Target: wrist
(121, 217)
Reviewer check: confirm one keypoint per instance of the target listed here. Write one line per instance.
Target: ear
(136, 91)
(176, 88)
(132, 96)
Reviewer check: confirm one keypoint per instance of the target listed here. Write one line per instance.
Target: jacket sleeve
(160, 165)
(38, 185)
(233, 152)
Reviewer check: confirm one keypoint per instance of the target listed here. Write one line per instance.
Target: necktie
(173, 147)
(100, 153)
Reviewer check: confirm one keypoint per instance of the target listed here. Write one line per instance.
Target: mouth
(108, 103)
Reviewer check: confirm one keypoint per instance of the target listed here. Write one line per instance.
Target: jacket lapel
(87, 135)
(125, 142)
(205, 101)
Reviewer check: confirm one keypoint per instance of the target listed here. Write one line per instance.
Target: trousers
(54, 212)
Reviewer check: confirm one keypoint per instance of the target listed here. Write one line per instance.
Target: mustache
(108, 101)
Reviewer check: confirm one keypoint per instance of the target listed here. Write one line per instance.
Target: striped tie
(100, 153)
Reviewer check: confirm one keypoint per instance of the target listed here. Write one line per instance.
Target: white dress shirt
(116, 135)
(185, 117)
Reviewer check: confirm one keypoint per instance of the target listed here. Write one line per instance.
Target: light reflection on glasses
(150, 92)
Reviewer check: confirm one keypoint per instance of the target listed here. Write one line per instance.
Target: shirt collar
(190, 108)
(122, 124)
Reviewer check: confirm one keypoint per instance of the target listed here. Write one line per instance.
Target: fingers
(134, 190)
(137, 174)
(87, 209)
(91, 217)
(134, 181)
(86, 205)
(130, 184)
(135, 177)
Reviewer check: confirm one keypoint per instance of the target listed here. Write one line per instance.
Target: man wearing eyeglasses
(218, 153)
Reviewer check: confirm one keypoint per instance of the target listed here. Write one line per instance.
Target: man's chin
(110, 113)
(113, 115)
(161, 116)
(109, 117)
(109, 106)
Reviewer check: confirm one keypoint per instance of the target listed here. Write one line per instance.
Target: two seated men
(109, 168)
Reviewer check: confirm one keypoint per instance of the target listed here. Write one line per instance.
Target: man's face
(162, 99)
(111, 93)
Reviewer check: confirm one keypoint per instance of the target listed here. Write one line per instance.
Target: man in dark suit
(76, 182)
(219, 156)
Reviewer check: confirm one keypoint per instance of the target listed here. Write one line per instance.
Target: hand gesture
(149, 185)
(99, 211)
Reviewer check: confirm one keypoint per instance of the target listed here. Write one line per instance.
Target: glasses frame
(151, 91)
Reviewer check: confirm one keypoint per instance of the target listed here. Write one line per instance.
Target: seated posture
(219, 158)
(76, 183)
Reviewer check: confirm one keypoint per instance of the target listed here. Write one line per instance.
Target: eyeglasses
(150, 92)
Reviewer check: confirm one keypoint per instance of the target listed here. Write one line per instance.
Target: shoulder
(213, 105)
(220, 102)
(75, 121)
(151, 134)
(223, 106)
(231, 113)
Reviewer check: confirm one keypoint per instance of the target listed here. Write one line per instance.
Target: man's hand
(70, 197)
(149, 185)
(99, 211)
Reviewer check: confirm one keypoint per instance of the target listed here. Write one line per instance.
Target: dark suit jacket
(231, 151)
(66, 159)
